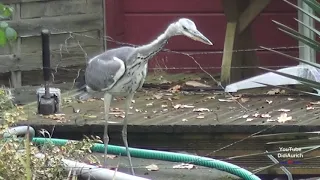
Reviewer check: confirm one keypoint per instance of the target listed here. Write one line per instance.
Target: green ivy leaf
(3, 38)
(3, 25)
(11, 34)
(7, 11)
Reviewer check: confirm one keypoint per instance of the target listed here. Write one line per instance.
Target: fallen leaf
(120, 116)
(284, 110)
(291, 99)
(273, 91)
(158, 96)
(265, 115)
(109, 156)
(249, 119)
(245, 116)
(177, 106)
(315, 103)
(201, 110)
(211, 97)
(164, 105)
(270, 120)
(200, 117)
(256, 115)
(58, 117)
(244, 100)
(184, 166)
(174, 89)
(187, 106)
(184, 120)
(284, 118)
(310, 108)
(152, 167)
(268, 101)
(149, 104)
(196, 84)
(133, 101)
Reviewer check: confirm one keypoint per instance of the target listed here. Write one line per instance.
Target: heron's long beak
(198, 36)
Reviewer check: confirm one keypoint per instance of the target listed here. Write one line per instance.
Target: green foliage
(6, 32)
(19, 158)
(315, 6)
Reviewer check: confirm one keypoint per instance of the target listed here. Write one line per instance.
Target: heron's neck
(156, 45)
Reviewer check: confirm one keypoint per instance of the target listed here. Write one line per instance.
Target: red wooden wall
(140, 21)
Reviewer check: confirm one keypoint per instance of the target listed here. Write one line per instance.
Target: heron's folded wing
(103, 74)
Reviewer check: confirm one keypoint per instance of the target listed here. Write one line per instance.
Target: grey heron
(122, 71)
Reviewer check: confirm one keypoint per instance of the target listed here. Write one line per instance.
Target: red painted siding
(140, 21)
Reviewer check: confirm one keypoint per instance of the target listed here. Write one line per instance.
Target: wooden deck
(201, 123)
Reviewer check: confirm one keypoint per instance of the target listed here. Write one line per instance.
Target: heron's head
(188, 28)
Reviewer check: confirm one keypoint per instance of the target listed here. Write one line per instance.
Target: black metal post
(46, 60)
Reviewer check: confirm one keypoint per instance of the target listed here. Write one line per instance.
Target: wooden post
(240, 15)
(15, 76)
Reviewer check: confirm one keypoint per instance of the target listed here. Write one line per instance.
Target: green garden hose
(162, 155)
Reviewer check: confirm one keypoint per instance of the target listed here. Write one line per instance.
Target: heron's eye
(184, 28)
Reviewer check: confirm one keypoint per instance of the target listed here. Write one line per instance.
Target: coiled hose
(144, 153)
(162, 155)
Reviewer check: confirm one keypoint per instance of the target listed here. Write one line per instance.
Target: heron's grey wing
(103, 74)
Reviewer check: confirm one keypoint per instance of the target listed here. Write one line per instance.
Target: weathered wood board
(76, 27)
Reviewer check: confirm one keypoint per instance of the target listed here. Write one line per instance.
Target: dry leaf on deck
(58, 117)
(200, 117)
(310, 108)
(268, 101)
(211, 97)
(201, 110)
(315, 103)
(273, 91)
(256, 115)
(149, 104)
(174, 89)
(196, 84)
(184, 120)
(152, 167)
(265, 115)
(284, 110)
(184, 166)
(109, 156)
(249, 119)
(158, 96)
(245, 116)
(244, 100)
(284, 118)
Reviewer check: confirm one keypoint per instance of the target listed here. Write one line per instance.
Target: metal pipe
(92, 172)
(46, 60)
(20, 130)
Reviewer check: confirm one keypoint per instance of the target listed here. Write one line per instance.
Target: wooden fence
(77, 33)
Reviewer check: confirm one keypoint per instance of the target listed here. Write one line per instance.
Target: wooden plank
(60, 24)
(250, 13)
(61, 41)
(74, 57)
(176, 6)
(52, 8)
(228, 52)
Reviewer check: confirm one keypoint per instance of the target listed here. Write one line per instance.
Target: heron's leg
(107, 101)
(124, 130)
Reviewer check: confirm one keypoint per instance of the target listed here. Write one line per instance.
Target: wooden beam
(251, 12)
(234, 40)
(228, 52)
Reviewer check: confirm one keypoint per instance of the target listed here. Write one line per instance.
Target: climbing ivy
(6, 32)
